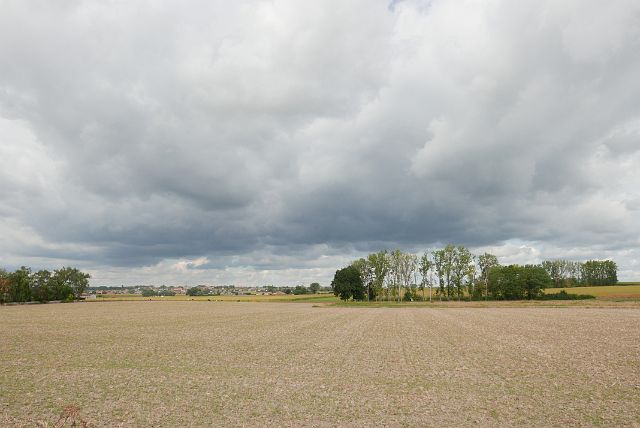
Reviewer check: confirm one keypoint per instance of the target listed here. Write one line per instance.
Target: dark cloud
(267, 141)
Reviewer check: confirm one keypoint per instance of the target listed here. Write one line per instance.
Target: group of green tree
(567, 273)
(453, 272)
(24, 285)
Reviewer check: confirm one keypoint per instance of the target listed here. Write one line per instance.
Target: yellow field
(604, 292)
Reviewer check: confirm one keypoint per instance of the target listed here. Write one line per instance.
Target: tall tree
(599, 272)
(534, 279)
(71, 278)
(408, 266)
(611, 272)
(461, 267)
(5, 286)
(20, 282)
(41, 286)
(365, 271)
(439, 266)
(555, 269)
(379, 263)
(426, 272)
(444, 260)
(485, 262)
(471, 278)
(394, 276)
(347, 284)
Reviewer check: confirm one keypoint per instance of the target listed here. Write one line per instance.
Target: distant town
(207, 290)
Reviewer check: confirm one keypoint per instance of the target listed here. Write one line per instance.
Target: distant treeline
(208, 290)
(566, 273)
(23, 285)
(453, 272)
(313, 288)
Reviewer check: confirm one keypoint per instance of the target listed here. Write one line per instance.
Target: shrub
(563, 295)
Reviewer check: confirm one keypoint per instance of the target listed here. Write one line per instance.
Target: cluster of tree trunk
(567, 273)
(447, 273)
(453, 272)
(23, 285)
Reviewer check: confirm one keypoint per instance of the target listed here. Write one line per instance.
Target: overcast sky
(256, 142)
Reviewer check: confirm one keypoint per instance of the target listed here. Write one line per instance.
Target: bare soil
(256, 364)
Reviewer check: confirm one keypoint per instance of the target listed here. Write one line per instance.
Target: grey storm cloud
(274, 136)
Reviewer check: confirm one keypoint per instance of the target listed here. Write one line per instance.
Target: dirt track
(206, 363)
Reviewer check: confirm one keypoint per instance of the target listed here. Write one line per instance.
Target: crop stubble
(207, 363)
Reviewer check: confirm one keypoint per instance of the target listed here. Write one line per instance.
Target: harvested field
(212, 363)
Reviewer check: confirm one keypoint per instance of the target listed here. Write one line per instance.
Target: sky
(272, 142)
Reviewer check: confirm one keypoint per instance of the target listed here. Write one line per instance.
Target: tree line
(567, 273)
(24, 285)
(453, 272)
(313, 288)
